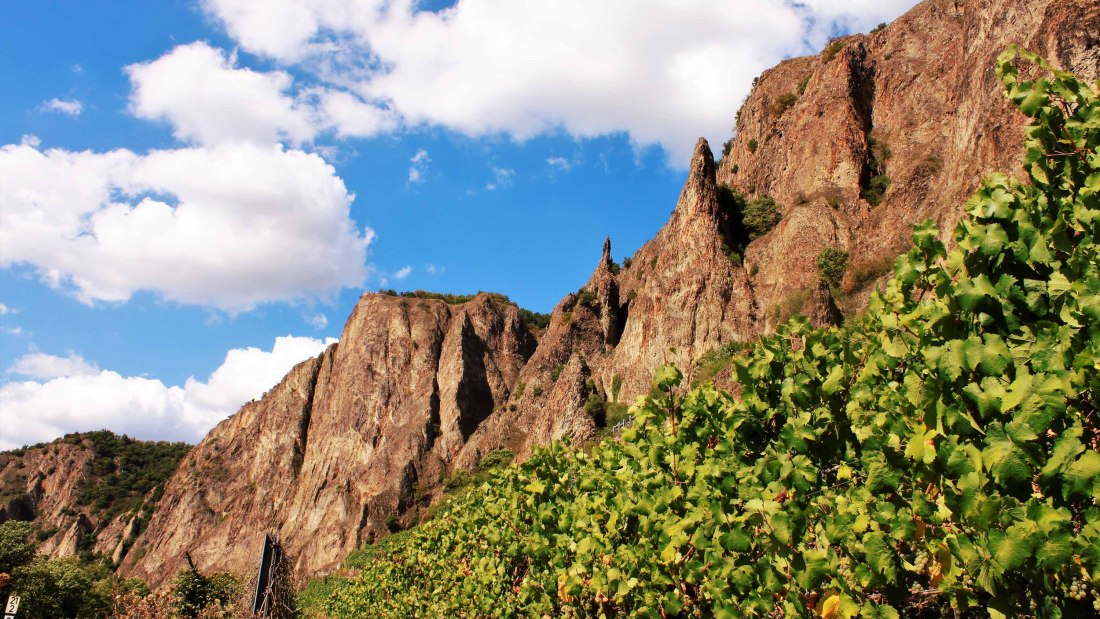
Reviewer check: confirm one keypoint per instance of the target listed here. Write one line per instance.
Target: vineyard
(939, 452)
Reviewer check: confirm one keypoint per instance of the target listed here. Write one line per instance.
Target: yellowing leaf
(830, 606)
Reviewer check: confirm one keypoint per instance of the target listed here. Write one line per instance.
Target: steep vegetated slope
(89, 493)
(352, 443)
(940, 458)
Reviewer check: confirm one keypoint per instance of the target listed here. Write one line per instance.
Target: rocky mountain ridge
(855, 145)
(884, 130)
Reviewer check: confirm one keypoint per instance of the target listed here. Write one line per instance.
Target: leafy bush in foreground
(944, 455)
(59, 587)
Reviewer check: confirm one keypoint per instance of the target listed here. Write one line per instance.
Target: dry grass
(782, 310)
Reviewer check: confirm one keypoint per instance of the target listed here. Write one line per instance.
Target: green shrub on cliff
(124, 470)
(832, 262)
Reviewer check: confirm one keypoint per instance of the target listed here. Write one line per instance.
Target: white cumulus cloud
(71, 395)
(347, 115)
(403, 272)
(71, 107)
(229, 226)
(40, 365)
(208, 100)
(665, 71)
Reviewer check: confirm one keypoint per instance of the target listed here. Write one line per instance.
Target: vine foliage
(942, 455)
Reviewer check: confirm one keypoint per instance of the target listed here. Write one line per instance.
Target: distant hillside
(88, 493)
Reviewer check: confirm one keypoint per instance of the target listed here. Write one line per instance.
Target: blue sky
(194, 193)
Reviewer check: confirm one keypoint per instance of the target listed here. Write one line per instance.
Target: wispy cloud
(502, 177)
(560, 163)
(403, 272)
(318, 321)
(418, 167)
(434, 269)
(72, 107)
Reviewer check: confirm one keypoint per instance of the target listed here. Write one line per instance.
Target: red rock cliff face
(680, 297)
(917, 103)
(343, 442)
(42, 485)
(234, 485)
(416, 388)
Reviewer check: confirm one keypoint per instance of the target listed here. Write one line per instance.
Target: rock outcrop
(910, 116)
(820, 309)
(344, 443)
(856, 145)
(680, 296)
(42, 484)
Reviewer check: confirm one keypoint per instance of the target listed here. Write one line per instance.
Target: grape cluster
(921, 561)
(1079, 591)
(966, 580)
(845, 569)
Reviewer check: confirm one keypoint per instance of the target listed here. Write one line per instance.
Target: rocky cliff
(855, 145)
(345, 442)
(680, 296)
(884, 130)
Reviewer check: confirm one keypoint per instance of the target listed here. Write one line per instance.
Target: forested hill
(87, 493)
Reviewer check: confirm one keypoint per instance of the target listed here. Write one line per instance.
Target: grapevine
(941, 455)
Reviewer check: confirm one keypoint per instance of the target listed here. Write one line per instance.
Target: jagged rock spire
(699, 197)
(602, 284)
